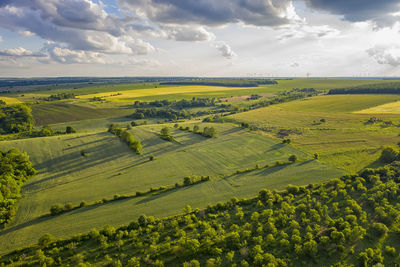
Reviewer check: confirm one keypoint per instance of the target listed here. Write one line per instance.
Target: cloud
(302, 30)
(295, 65)
(79, 24)
(214, 13)
(225, 50)
(26, 33)
(385, 55)
(188, 34)
(360, 10)
(66, 56)
(19, 52)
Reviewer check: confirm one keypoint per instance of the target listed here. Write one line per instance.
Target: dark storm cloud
(211, 12)
(81, 24)
(359, 10)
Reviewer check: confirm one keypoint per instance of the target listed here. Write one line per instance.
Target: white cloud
(385, 55)
(26, 33)
(19, 52)
(187, 33)
(225, 50)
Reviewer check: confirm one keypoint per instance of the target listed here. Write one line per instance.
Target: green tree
(292, 158)
(70, 129)
(56, 209)
(165, 131)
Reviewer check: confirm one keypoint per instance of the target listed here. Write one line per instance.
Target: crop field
(50, 113)
(389, 108)
(92, 165)
(179, 92)
(111, 168)
(344, 140)
(10, 100)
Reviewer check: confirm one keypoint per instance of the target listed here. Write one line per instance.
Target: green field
(111, 168)
(330, 125)
(50, 113)
(154, 91)
(344, 140)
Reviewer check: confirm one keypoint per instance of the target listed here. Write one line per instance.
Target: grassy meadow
(111, 168)
(345, 139)
(335, 126)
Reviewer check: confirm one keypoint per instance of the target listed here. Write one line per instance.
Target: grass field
(111, 168)
(10, 100)
(344, 140)
(179, 92)
(50, 113)
(389, 108)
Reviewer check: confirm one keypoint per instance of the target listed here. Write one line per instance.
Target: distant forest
(223, 82)
(379, 88)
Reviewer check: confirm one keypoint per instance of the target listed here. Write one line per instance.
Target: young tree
(292, 158)
(70, 129)
(165, 131)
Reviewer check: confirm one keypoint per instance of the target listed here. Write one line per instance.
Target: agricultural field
(10, 100)
(389, 108)
(345, 139)
(51, 113)
(97, 179)
(64, 176)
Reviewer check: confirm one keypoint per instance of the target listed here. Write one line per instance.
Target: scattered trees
(354, 217)
(126, 137)
(165, 134)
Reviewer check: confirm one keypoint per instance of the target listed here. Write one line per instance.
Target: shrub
(292, 158)
(70, 129)
(46, 239)
(68, 206)
(56, 209)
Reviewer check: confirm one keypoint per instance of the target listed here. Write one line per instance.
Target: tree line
(181, 104)
(353, 220)
(15, 170)
(126, 137)
(379, 88)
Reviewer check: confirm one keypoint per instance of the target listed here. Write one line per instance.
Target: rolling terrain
(97, 180)
(344, 138)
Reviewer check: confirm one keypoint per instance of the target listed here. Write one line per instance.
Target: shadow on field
(275, 147)
(376, 164)
(154, 197)
(72, 162)
(26, 224)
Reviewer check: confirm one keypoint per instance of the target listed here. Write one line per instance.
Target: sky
(224, 38)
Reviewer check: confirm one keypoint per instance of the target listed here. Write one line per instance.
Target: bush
(292, 158)
(56, 209)
(68, 206)
(70, 129)
(45, 240)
